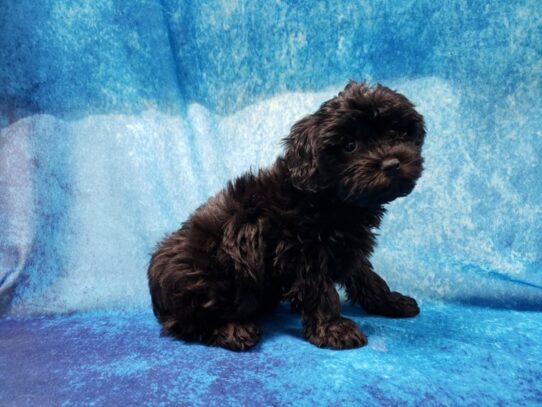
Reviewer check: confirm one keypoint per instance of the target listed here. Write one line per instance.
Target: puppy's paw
(401, 306)
(340, 333)
(236, 336)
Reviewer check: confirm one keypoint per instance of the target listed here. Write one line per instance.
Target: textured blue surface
(118, 118)
(449, 355)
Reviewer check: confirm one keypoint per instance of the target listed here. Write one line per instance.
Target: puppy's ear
(302, 154)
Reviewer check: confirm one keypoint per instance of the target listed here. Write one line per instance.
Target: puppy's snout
(390, 166)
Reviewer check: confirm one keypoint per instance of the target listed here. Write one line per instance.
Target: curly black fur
(293, 230)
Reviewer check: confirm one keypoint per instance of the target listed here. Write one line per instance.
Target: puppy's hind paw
(236, 336)
(340, 333)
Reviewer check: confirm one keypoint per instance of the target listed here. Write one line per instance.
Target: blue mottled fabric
(118, 118)
(449, 355)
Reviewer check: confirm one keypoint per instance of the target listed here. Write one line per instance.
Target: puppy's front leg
(323, 325)
(368, 289)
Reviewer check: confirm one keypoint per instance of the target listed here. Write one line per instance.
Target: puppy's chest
(328, 246)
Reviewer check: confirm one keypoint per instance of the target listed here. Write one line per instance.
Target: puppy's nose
(390, 166)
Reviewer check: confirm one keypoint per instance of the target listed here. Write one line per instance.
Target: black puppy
(293, 230)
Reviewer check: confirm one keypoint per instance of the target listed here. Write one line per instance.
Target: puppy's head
(364, 145)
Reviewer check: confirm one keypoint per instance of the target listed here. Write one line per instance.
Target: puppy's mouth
(376, 197)
(378, 182)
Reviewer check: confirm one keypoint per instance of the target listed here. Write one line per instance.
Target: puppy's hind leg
(203, 294)
(369, 290)
(236, 336)
(206, 310)
(209, 330)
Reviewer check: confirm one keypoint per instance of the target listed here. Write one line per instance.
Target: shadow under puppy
(295, 229)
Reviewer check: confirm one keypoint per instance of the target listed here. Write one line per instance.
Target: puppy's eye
(350, 146)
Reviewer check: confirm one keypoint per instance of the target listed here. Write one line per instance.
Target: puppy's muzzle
(390, 166)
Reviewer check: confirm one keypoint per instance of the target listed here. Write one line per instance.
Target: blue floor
(449, 355)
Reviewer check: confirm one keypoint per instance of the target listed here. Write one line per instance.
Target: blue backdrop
(118, 118)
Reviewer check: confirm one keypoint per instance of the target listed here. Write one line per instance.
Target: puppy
(295, 229)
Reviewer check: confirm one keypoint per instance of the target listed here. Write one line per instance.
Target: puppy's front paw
(401, 306)
(340, 333)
